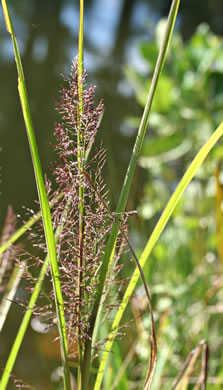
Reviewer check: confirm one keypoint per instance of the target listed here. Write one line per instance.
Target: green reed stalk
(47, 222)
(80, 159)
(168, 211)
(110, 248)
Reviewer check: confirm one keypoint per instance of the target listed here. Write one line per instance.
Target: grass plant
(81, 215)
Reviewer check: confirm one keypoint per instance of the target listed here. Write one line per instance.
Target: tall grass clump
(80, 240)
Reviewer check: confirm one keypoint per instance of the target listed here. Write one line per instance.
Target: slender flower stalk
(81, 154)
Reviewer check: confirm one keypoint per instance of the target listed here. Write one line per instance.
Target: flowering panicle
(75, 123)
(83, 231)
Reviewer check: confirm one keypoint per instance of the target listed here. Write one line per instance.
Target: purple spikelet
(74, 122)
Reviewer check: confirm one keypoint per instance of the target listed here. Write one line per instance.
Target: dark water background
(47, 32)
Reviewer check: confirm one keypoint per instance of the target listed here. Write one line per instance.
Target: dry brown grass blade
(153, 343)
(10, 272)
(8, 229)
(188, 366)
(201, 383)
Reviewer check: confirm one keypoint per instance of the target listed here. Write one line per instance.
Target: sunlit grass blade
(10, 292)
(47, 222)
(186, 179)
(109, 252)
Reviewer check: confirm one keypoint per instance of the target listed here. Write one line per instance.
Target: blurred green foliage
(185, 272)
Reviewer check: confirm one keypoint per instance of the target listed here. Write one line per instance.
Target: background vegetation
(186, 264)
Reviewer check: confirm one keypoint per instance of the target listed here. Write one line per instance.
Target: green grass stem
(80, 159)
(81, 42)
(47, 222)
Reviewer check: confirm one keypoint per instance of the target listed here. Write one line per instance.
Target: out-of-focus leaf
(153, 146)
(120, 382)
(150, 52)
(170, 155)
(162, 99)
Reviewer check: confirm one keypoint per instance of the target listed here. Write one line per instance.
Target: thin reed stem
(80, 158)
